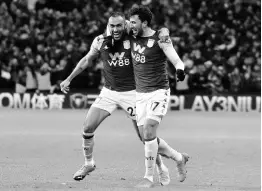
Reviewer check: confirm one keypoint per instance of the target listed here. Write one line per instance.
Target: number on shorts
(154, 105)
(131, 111)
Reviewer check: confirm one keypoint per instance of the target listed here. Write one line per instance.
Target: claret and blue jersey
(118, 69)
(135, 63)
(149, 62)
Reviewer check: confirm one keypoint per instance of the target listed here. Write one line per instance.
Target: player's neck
(148, 32)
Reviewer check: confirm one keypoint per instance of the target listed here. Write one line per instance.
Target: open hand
(64, 86)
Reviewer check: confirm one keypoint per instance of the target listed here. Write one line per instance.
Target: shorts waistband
(114, 89)
(110, 87)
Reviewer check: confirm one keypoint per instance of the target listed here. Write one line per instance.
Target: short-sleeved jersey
(117, 63)
(150, 64)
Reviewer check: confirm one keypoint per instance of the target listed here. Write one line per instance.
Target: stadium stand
(219, 42)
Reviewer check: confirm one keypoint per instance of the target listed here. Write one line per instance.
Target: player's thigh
(141, 104)
(103, 106)
(157, 107)
(93, 119)
(106, 101)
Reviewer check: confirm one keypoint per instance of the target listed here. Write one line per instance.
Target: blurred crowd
(219, 42)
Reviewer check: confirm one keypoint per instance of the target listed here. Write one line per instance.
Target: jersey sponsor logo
(138, 48)
(117, 59)
(138, 57)
(126, 44)
(117, 55)
(123, 62)
(150, 43)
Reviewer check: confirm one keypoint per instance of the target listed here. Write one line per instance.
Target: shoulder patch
(126, 44)
(150, 43)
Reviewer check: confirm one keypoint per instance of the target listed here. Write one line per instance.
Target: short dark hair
(117, 13)
(143, 13)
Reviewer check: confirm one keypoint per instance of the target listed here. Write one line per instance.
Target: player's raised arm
(173, 57)
(81, 65)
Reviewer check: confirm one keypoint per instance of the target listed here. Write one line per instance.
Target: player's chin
(135, 32)
(117, 36)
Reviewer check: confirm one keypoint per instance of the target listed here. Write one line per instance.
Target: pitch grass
(40, 150)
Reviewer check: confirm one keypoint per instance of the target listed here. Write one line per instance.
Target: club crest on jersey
(150, 43)
(126, 44)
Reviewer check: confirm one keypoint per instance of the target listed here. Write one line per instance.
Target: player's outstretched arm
(173, 57)
(81, 66)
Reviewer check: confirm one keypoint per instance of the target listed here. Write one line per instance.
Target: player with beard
(149, 57)
(118, 90)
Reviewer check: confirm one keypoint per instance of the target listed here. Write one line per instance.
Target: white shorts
(108, 100)
(151, 105)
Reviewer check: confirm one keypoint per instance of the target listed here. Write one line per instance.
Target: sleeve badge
(126, 44)
(150, 43)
